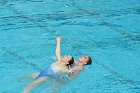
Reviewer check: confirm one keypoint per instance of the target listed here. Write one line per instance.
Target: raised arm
(58, 50)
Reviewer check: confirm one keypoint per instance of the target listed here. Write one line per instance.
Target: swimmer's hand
(71, 70)
(59, 38)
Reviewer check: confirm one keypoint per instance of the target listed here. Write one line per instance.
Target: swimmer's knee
(34, 75)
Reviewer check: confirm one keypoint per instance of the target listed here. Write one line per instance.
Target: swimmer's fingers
(59, 38)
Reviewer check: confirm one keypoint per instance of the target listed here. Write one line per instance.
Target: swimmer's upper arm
(58, 51)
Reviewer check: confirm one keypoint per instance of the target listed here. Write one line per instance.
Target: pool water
(107, 30)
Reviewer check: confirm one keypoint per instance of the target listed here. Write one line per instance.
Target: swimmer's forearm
(75, 74)
(58, 51)
(58, 48)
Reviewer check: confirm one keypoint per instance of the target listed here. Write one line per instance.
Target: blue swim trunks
(49, 73)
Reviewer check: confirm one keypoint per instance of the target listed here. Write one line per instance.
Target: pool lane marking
(28, 18)
(92, 12)
(34, 22)
(38, 25)
(22, 59)
(116, 30)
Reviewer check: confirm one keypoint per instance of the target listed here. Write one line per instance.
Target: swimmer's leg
(34, 84)
(34, 75)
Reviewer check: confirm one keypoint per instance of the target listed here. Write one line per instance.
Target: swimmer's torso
(77, 66)
(56, 70)
(59, 67)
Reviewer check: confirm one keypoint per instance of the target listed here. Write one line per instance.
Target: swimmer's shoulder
(56, 63)
(78, 67)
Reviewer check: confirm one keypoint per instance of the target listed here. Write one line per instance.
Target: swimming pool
(107, 30)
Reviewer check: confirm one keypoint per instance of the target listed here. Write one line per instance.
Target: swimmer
(56, 69)
(79, 64)
(78, 67)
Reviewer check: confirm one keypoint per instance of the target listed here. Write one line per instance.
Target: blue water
(107, 30)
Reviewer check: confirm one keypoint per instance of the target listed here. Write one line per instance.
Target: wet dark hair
(89, 61)
(71, 61)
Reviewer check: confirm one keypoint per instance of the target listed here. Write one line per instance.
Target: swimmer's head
(86, 60)
(68, 59)
(71, 61)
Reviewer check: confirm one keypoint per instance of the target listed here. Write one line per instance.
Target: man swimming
(56, 69)
(79, 64)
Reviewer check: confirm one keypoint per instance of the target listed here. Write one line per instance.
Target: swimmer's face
(84, 59)
(66, 58)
